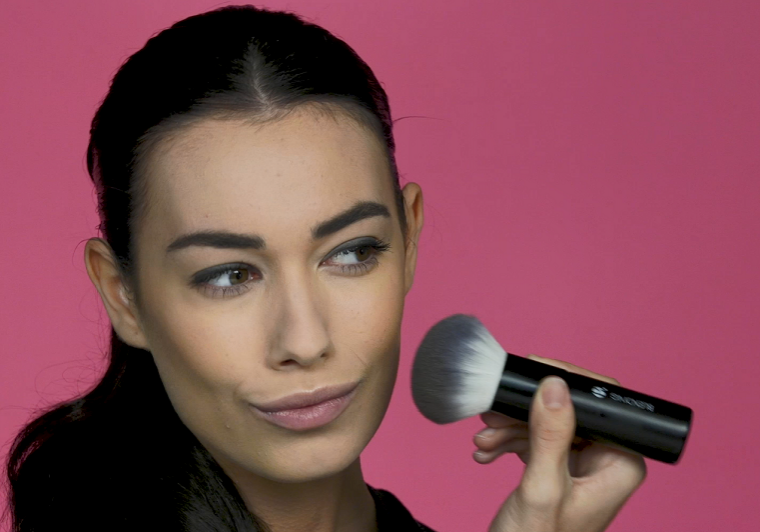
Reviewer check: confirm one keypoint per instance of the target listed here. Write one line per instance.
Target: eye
(226, 280)
(358, 257)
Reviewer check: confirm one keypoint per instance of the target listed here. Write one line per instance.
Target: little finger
(519, 446)
(489, 439)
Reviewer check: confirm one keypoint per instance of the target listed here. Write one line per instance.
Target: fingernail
(485, 433)
(480, 455)
(555, 394)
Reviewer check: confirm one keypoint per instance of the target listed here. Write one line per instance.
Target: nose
(301, 324)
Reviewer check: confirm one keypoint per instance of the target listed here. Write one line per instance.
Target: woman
(256, 252)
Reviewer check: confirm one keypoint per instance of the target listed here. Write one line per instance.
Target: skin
(302, 323)
(299, 317)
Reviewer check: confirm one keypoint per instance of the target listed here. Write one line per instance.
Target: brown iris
(239, 276)
(363, 253)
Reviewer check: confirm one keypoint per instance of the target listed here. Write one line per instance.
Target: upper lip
(304, 399)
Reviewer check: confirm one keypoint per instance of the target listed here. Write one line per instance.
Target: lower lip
(309, 417)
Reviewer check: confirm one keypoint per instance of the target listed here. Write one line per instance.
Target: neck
(339, 503)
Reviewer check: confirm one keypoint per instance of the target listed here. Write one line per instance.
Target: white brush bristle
(457, 370)
(481, 373)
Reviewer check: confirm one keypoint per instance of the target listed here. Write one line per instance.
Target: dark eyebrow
(227, 240)
(360, 211)
(217, 239)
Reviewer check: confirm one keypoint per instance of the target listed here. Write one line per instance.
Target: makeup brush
(460, 371)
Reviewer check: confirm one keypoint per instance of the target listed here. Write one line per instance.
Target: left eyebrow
(360, 211)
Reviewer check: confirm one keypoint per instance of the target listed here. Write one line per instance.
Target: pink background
(591, 179)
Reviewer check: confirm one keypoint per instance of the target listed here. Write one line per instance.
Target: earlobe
(120, 306)
(415, 217)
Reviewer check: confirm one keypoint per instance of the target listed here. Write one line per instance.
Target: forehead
(288, 173)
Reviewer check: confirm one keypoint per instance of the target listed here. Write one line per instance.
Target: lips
(307, 410)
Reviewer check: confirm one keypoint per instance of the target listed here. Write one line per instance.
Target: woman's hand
(569, 484)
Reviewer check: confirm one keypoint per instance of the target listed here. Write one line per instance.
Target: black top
(392, 516)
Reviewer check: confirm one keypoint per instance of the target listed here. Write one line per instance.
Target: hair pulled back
(119, 458)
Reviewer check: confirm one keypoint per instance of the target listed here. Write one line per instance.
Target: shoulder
(392, 515)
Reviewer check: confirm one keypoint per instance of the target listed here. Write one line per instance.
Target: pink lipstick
(308, 410)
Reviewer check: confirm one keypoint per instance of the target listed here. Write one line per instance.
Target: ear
(415, 218)
(116, 295)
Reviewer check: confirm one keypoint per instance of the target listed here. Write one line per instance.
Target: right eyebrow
(217, 239)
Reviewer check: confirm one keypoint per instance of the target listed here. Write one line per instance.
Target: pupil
(238, 275)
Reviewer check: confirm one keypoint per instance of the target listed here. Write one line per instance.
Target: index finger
(567, 366)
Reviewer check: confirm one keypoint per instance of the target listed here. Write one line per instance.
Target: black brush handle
(606, 413)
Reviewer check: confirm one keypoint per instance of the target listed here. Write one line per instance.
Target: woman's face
(256, 284)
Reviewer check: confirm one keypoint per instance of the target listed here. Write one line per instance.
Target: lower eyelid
(223, 291)
(364, 266)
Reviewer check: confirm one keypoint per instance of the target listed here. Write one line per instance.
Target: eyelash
(201, 280)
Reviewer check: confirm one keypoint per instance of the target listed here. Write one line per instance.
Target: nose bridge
(302, 319)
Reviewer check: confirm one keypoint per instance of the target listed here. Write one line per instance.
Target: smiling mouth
(305, 411)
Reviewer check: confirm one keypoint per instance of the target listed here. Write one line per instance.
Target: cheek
(366, 314)
(202, 358)
(203, 346)
(366, 325)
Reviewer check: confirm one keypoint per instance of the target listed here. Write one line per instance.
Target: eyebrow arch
(360, 211)
(228, 240)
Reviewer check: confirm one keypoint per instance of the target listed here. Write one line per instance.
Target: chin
(313, 460)
(295, 473)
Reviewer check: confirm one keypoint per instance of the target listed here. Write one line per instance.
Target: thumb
(552, 427)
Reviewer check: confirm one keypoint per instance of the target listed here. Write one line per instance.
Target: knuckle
(632, 475)
(642, 474)
(551, 434)
(540, 497)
